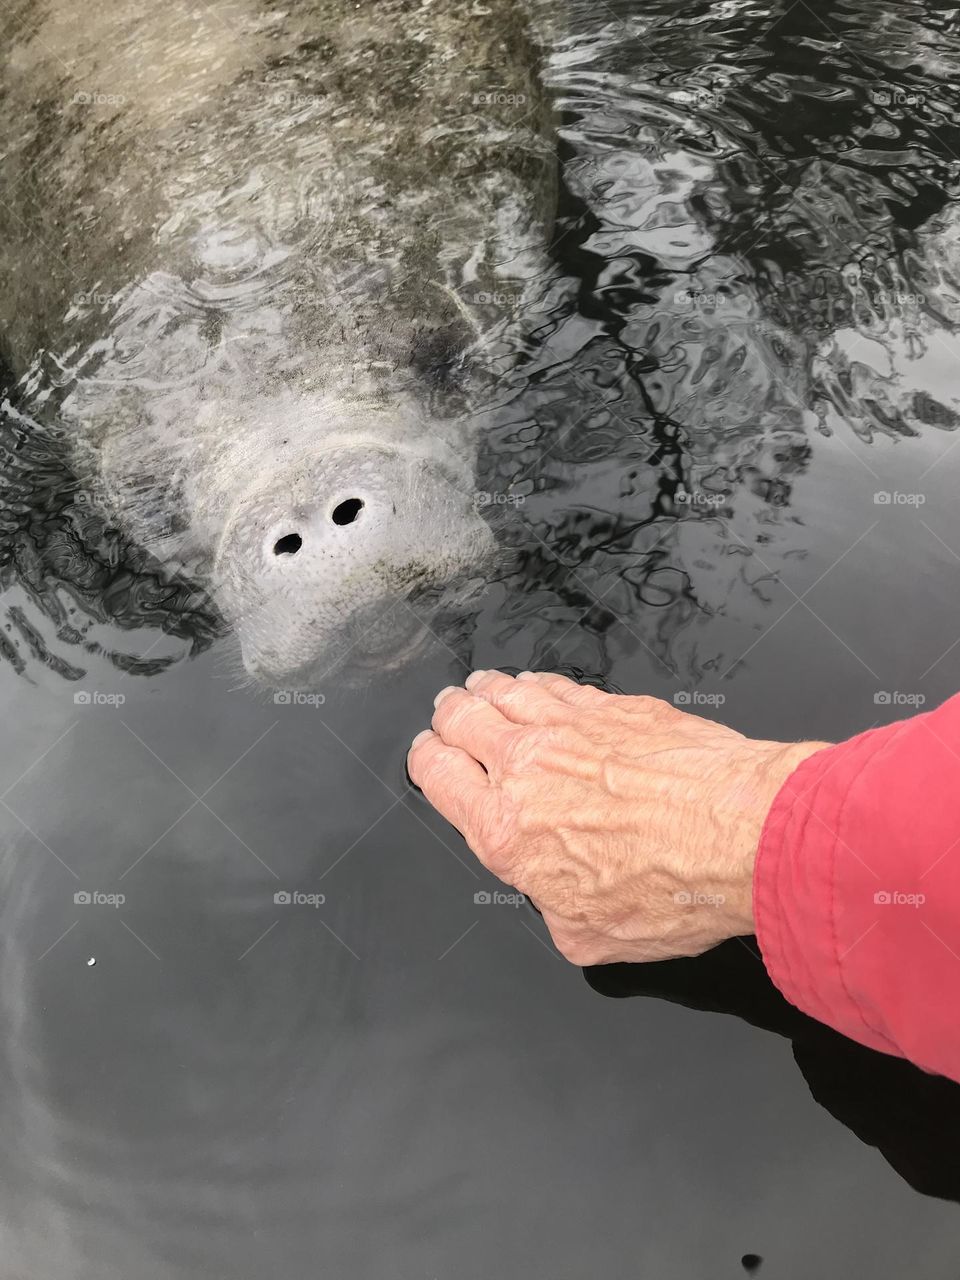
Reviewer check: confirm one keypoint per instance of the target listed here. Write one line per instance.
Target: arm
(635, 827)
(857, 888)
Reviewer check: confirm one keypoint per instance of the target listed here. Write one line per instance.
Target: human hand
(632, 826)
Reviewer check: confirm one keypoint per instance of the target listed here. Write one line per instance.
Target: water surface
(731, 469)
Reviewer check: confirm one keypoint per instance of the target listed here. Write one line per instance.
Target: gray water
(402, 1081)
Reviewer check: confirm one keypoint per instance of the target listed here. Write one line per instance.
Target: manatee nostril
(347, 511)
(288, 545)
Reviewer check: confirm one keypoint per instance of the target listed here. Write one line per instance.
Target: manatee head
(344, 557)
(328, 504)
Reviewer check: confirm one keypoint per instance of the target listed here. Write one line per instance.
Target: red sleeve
(857, 889)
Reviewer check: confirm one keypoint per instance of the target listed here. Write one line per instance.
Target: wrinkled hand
(631, 825)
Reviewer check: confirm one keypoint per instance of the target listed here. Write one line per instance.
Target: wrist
(763, 778)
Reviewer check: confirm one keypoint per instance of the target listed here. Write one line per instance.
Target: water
(751, 336)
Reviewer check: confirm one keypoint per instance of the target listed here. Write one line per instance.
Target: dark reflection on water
(73, 584)
(911, 1117)
(745, 361)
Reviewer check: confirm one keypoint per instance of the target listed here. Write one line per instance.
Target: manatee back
(373, 154)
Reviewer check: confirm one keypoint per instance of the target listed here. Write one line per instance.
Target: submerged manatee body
(267, 258)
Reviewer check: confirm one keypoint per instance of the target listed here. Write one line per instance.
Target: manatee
(269, 265)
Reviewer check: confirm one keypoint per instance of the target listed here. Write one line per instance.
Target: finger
(520, 701)
(450, 779)
(464, 721)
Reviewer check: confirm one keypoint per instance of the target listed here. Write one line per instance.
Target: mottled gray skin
(254, 253)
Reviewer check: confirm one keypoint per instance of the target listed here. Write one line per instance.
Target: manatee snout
(343, 564)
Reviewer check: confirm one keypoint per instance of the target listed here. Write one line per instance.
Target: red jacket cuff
(857, 888)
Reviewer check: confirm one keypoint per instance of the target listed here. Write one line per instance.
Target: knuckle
(514, 691)
(451, 711)
(549, 737)
(427, 767)
(588, 694)
(524, 699)
(550, 680)
(491, 680)
(644, 704)
(524, 749)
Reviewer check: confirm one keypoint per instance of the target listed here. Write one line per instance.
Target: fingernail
(526, 675)
(473, 677)
(422, 736)
(451, 688)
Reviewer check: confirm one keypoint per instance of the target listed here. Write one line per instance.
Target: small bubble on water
(91, 961)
